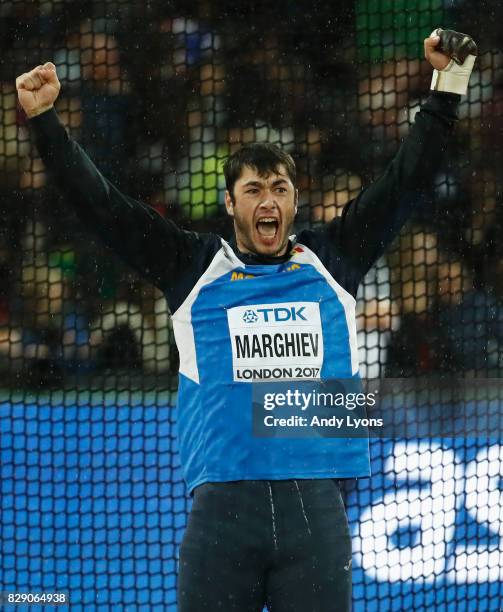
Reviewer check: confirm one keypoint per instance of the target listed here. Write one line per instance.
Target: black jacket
(174, 259)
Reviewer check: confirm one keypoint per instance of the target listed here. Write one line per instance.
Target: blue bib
(241, 324)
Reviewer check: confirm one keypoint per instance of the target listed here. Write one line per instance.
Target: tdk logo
(277, 315)
(250, 316)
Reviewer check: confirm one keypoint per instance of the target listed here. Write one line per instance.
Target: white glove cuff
(453, 78)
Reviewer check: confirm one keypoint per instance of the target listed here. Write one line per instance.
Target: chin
(253, 242)
(275, 248)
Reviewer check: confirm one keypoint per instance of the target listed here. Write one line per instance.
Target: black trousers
(284, 544)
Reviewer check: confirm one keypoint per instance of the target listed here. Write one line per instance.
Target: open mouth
(267, 227)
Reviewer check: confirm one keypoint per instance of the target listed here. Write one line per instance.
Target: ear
(229, 204)
(296, 201)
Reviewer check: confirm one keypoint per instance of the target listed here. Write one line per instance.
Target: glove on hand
(462, 50)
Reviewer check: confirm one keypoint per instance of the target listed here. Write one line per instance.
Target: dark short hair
(262, 157)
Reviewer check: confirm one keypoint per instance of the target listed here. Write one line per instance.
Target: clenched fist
(38, 89)
(452, 54)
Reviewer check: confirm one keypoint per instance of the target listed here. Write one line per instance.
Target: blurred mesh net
(159, 94)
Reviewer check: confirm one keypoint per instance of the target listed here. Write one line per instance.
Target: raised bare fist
(38, 89)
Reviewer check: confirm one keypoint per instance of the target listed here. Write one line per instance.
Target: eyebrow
(260, 183)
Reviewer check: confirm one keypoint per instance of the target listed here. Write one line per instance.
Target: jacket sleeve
(369, 223)
(169, 257)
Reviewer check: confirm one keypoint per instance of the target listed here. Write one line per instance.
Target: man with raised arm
(268, 525)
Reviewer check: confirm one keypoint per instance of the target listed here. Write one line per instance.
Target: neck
(251, 257)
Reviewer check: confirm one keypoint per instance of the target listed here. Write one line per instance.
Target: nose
(269, 202)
